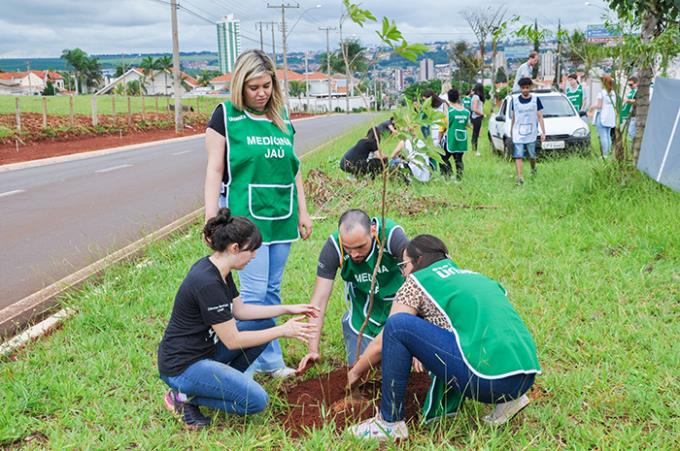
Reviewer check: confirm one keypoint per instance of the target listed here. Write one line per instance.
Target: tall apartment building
(426, 69)
(228, 42)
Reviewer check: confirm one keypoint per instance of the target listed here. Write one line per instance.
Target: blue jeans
(351, 338)
(406, 336)
(632, 128)
(260, 283)
(605, 136)
(519, 149)
(219, 382)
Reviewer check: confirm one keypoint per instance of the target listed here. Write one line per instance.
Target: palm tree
(77, 59)
(164, 63)
(205, 77)
(148, 66)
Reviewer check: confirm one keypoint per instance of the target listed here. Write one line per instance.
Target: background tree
(654, 17)
(121, 69)
(296, 88)
(498, 27)
(165, 64)
(583, 55)
(49, 89)
(77, 59)
(149, 67)
(501, 76)
(205, 77)
(479, 20)
(467, 64)
(537, 36)
(413, 92)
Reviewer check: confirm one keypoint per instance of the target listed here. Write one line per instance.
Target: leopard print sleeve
(410, 295)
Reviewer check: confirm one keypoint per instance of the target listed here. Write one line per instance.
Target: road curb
(35, 306)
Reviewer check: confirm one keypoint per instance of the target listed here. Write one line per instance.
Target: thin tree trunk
(494, 68)
(649, 25)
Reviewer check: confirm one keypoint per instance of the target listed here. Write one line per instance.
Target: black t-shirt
(329, 260)
(217, 121)
(203, 299)
(539, 105)
(360, 151)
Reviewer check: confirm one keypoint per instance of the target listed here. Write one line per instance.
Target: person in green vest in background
(456, 136)
(461, 327)
(253, 170)
(353, 249)
(628, 110)
(467, 101)
(574, 92)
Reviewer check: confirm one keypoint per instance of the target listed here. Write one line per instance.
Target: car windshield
(556, 106)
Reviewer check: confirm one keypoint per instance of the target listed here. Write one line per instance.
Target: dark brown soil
(323, 400)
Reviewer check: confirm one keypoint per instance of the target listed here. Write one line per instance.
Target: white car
(565, 128)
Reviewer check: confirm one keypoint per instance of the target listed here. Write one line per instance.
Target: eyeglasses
(402, 265)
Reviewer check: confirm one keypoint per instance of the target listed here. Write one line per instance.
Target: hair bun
(223, 216)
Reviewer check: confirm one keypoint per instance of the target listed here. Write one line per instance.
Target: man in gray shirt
(353, 249)
(525, 70)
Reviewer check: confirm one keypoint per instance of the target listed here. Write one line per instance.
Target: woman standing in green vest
(574, 92)
(253, 170)
(456, 136)
(461, 326)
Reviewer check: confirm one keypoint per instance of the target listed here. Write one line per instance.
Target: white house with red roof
(157, 82)
(29, 82)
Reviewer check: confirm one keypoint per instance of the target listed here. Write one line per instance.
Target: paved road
(57, 219)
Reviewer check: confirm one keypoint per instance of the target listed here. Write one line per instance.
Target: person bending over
(461, 327)
(205, 350)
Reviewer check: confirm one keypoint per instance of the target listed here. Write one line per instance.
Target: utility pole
(258, 26)
(328, 64)
(30, 83)
(177, 81)
(558, 60)
(283, 7)
(307, 81)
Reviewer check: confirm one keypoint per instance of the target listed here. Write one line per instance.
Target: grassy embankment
(591, 260)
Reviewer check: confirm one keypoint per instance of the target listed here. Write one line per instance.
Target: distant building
(29, 82)
(426, 71)
(442, 72)
(228, 42)
(155, 83)
(501, 61)
(547, 64)
(399, 79)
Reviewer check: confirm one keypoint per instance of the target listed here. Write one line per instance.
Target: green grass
(82, 104)
(590, 256)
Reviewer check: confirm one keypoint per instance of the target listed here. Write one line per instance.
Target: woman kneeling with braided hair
(461, 327)
(205, 350)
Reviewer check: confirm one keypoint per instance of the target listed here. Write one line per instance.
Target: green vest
(490, 335)
(259, 174)
(467, 102)
(627, 107)
(357, 277)
(575, 97)
(456, 135)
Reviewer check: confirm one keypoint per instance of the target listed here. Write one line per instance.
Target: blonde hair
(253, 64)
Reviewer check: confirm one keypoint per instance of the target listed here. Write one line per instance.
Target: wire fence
(73, 107)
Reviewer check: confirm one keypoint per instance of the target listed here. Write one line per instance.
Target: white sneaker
(478, 154)
(380, 429)
(503, 412)
(282, 373)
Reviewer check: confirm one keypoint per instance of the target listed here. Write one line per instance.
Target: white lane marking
(10, 193)
(182, 152)
(113, 168)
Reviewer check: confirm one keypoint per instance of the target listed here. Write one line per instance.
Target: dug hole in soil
(324, 400)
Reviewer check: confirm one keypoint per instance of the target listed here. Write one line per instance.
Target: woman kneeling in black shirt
(204, 350)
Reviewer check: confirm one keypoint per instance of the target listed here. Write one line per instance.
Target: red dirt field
(323, 400)
(36, 144)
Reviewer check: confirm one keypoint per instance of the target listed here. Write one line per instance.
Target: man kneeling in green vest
(354, 249)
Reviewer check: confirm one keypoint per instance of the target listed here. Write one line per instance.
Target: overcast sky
(43, 28)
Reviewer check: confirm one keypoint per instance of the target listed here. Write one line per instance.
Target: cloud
(35, 28)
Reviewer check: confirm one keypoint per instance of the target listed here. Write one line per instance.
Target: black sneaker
(191, 414)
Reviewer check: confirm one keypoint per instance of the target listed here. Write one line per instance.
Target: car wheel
(507, 148)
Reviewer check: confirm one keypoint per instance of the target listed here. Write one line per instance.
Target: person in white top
(525, 70)
(605, 114)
